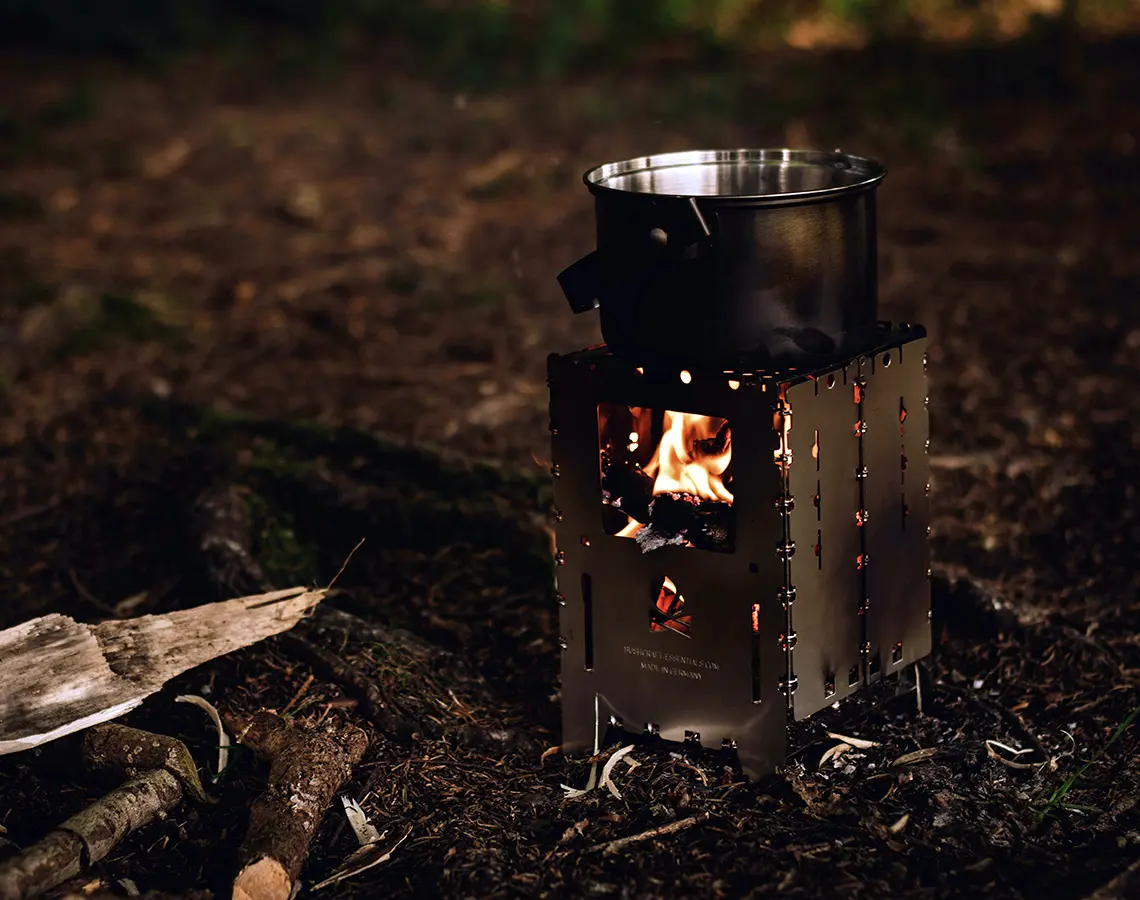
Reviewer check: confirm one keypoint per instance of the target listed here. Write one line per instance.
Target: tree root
(306, 768)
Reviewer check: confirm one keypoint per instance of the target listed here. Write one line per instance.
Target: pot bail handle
(611, 270)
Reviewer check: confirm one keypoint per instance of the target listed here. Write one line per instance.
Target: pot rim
(871, 171)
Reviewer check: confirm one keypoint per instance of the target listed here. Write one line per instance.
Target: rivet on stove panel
(926, 402)
(786, 549)
(787, 595)
(785, 504)
(929, 573)
(652, 729)
(560, 558)
(860, 428)
(692, 737)
(927, 490)
(562, 642)
(561, 599)
(861, 517)
(557, 514)
(686, 376)
(861, 472)
(904, 326)
(862, 561)
(553, 428)
(902, 461)
(788, 641)
(727, 744)
(788, 685)
(617, 721)
(585, 540)
(926, 446)
(864, 605)
(555, 472)
(928, 531)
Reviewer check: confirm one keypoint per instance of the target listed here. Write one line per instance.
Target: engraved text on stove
(675, 664)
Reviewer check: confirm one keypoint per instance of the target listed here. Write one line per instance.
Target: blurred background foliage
(500, 38)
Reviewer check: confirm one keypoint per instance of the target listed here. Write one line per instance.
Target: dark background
(237, 239)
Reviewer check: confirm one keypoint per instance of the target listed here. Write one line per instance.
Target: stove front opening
(666, 477)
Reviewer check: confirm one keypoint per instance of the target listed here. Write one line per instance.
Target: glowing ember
(667, 611)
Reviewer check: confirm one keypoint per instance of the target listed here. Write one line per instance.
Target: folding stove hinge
(786, 549)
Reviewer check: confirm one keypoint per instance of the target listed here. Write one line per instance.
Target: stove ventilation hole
(588, 622)
(902, 461)
(897, 654)
(819, 549)
(666, 612)
(829, 684)
(853, 676)
(755, 652)
(876, 664)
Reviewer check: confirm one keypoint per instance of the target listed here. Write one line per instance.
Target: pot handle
(609, 271)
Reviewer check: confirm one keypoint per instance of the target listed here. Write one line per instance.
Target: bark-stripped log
(58, 676)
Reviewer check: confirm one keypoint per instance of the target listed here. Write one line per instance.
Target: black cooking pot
(732, 257)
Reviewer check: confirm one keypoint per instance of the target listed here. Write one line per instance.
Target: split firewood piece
(160, 771)
(307, 766)
(58, 676)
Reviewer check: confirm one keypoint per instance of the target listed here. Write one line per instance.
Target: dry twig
(672, 828)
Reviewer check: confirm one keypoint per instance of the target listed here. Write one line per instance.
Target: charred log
(626, 487)
(677, 519)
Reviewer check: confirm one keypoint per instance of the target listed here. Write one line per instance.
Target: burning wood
(675, 490)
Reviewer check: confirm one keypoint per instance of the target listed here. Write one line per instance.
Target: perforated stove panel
(896, 535)
(824, 570)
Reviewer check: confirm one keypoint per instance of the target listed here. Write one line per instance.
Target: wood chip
(854, 742)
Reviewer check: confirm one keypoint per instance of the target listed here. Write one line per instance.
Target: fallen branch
(157, 766)
(306, 768)
(367, 693)
(60, 676)
(672, 828)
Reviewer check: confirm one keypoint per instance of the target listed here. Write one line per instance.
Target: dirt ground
(306, 286)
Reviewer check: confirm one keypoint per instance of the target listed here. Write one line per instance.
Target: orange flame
(693, 456)
(671, 604)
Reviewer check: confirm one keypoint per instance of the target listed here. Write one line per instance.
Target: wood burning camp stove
(740, 472)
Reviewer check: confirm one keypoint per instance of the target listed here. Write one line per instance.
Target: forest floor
(298, 286)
